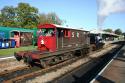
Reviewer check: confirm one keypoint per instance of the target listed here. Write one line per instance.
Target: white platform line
(6, 58)
(92, 81)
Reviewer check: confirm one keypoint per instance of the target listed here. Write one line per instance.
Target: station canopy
(5, 31)
(96, 31)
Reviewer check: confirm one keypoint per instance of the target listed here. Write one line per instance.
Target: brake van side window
(60, 32)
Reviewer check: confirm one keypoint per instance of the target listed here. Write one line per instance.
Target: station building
(15, 37)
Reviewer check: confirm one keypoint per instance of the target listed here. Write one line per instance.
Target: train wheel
(43, 64)
(78, 53)
(93, 47)
(87, 51)
(28, 60)
(17, 56)
(82, 52)
(60, 58)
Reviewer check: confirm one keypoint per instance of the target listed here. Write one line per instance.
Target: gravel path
(9, 64)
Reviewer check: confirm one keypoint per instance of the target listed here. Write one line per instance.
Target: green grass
(10, 51)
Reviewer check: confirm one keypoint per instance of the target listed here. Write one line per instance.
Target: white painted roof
(96, 31)
(60, 26)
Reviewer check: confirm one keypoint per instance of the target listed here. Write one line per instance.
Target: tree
(7, 16)
(27, 15)
(53, 18)
(42, 18)
(123, 33)
(50, 18)
(118, 31)
(23, 15)
(108, 30)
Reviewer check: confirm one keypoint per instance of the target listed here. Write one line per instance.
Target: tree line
(26, 16)
(117, 31)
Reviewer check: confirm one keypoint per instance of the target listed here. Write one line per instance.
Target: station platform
(114, 72)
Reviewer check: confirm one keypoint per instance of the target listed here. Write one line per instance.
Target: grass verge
(10, 51)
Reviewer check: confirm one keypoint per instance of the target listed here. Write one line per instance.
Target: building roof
(15, 29)
(96, 31)
(6, 31)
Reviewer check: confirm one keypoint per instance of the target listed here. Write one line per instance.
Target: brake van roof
(57, 26)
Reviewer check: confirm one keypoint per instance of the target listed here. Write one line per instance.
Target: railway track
(91, 69)
(28, 73)
(20, 75)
